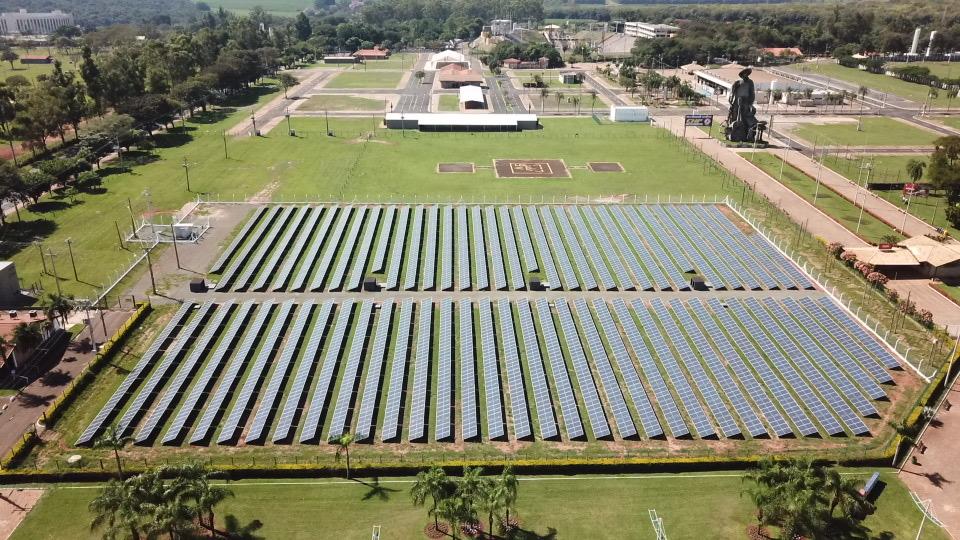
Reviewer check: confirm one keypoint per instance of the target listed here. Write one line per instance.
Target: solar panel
(380, 253)
(587, 241)
(120, 395)
(446, 254)
(677, 377)
(511, 357)
(569, 279)
(646, 264)
(307, 264)
(252, 264)
(230, 429)
(546, 260)
(239, 239)
(682, 249)
(281, 249)
(641, 279)
(699, 241)
(744, 247)
(371, 388)
(348, 381)
(413, 250)
(770, 380)
(648, 417)
(579, 259)
(231, 377)
(608, 380)
(185, 372)
(281, 371)
(664, 236)
(833, 374)
(349, 247)
(624, 281)
(837, 352)
(318, 401)
(743, 374)
(308, 361)
(656, 257)
(396, 249)
(337, 242)
(295, 254)
(491, 375)
(800, 387)
(558, 367)
(650, 370)
(463, 250)
(496, 253)
(479, 249)
(360, 262)
(468, 381)
(719, 371)
(513, 256)
(443, 429)
(728, 426)
(173, 354)
(588, 390)
(189, 406)
(390, 427)
(869, 342)
(725, 249)
(762, 245)
(430, 249)
(421, 372)
(226, 278)
(546, 421)
(526, 245)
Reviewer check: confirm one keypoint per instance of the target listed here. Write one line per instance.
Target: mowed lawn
(30, 71)
(282, 8)
(877, 131)
(875, 82)
(706, 505)
(365, 79)
(449, 103)
(331, 102)
(945, 70)
(949, 121)
(837, 207)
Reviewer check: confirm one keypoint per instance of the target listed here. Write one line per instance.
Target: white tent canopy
(445, 58)
(471, 93)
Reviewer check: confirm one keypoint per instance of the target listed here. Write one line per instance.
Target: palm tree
(862, 91)
(544, 93)
(907, 434)
(593, 100)
(456, 510)
(932, 94)
(510, 485)
(343, 447)
(491, 501)
(576, 103)
(560, 97)
(844, 493)
(915, 169)
(432, 483)
(27, 335)
(59, 305)
(951, 93)
(193, 481)
(419, 74)
(115, 440)
(116, 511)
(171, 516)
(4, 343)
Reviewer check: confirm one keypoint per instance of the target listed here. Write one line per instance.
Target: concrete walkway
(269, 115)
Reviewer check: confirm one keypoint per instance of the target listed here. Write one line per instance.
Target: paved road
(603, 90)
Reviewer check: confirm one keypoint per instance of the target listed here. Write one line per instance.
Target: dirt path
(15, 504)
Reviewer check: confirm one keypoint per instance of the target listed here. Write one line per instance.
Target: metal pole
(56, 278)
(253, 120)
(905, 214)
(119, 236)
(224, 135)
(186, 171)
(43, 260)
(73, 263)
(133, 224)
(176, 252)
(153, 282)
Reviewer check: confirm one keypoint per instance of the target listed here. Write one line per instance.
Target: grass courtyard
(365, 79)
(30, 71)
(449, 103)
(332, 102)
(284, 168)
(705, 505)
(875, 82)
(944, 70)
(877, 131)
(836, 206)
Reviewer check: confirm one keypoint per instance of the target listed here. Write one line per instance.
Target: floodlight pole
(133, 224)
(816, 191)
(906, 213)
(73, 263)
(863, 199)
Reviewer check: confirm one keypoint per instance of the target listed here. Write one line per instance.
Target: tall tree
(116, 511)
(302, 27)
(343, 448)
(431, 484)
(90, 74)
(115, 440)
(915, 168)
(9, 56)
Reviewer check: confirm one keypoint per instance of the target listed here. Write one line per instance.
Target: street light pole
(253, 120)
(153, 282)
(73, 263)
(186, 171)
(176, 252)
(56, 278)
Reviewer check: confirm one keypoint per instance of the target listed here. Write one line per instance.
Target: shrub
(893, 295)
(877, 279)
(848, 258)
(835, 249)
(925, 318)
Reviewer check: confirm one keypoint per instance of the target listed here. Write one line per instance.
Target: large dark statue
(742, 124)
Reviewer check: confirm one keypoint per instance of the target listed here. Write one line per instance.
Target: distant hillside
(105, 12)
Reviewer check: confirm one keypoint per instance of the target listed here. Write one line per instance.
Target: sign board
(701, 120)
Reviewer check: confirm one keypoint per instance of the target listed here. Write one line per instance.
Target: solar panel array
(285, 372)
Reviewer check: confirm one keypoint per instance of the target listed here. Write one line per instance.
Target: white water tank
(629, 114)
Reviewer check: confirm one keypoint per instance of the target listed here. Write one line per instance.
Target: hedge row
(84, 378)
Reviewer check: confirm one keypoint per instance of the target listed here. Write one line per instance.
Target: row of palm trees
(802, 498)
(459, 501)
(575, 99)
(173, 502)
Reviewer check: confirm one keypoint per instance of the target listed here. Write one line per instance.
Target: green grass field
(940, 69)
(331, 102)
(877, 131)
(365, 79)
(30, 71)
(282, 8)
(949, 121)
(875, 82)
(549, 77)
(706, 505)
(830, 202)
(449, 103)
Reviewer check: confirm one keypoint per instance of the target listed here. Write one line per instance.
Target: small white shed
(629, 114)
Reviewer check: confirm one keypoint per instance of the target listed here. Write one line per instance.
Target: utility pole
(56, 278)
(43, 261)
(153, 282)
(287, 114)
(326, 117)
(73, 263)
(253, 120)
(186, 171)
(133, 224)
(119, 236)
(176, 252)
(224, 135)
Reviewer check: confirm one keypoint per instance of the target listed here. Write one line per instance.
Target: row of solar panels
(564, 369)
(644, 247)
